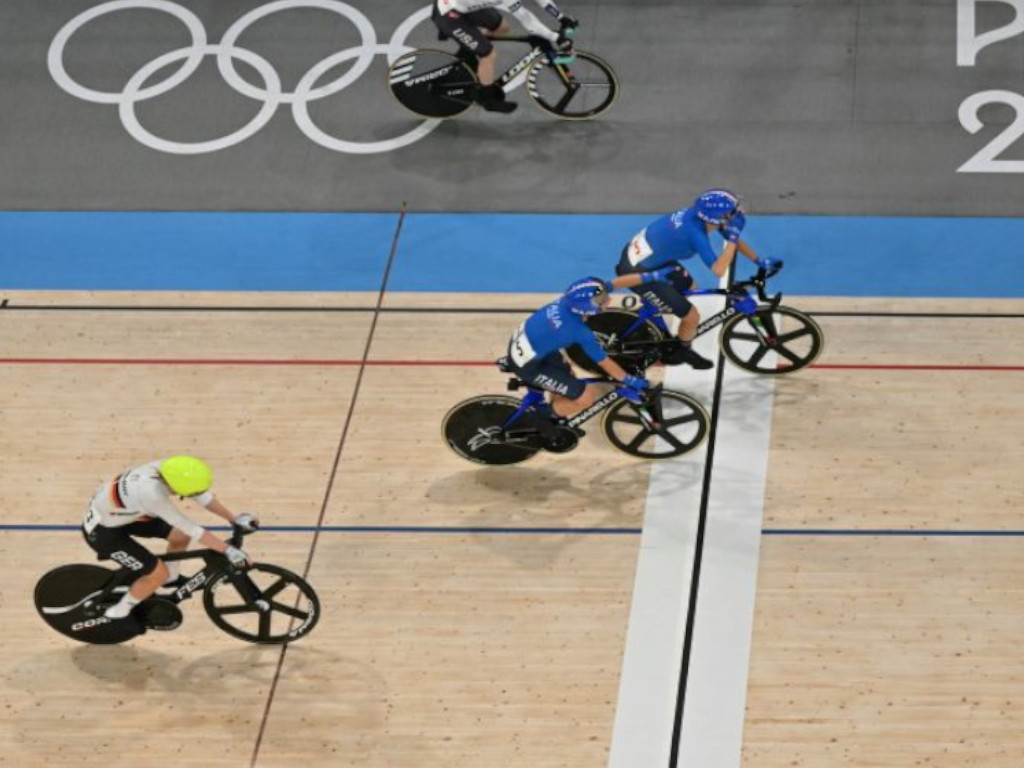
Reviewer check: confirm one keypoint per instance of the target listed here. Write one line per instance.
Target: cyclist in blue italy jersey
(535, 351)
(679, 236)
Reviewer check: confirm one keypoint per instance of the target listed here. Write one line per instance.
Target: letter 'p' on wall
(968, 45)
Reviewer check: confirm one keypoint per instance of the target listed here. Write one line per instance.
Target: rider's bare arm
(724, 260)
(626, 281)
(746, 250)
(721, 266)
(220, 510)
(532, 24)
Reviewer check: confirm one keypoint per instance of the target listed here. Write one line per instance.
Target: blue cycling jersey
(676, 237)
(550, 329)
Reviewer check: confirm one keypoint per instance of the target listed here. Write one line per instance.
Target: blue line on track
(561, 531)
(482, 252)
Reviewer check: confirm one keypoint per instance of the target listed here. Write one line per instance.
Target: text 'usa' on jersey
(552, 328)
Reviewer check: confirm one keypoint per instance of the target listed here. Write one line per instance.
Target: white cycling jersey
(138, 494)
(515, 7)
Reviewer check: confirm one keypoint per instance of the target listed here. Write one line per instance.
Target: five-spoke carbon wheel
(772, 341)
(683, 421)
(285, 609)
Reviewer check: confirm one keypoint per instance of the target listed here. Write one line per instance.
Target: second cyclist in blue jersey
(680, 236)
(535, 350)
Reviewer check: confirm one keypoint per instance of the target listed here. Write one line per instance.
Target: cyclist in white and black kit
(138, 504)
(472, 23)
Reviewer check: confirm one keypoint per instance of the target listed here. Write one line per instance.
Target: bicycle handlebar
(757, 282)
(238, 533)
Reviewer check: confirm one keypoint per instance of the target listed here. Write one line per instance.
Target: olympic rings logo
(270, 95)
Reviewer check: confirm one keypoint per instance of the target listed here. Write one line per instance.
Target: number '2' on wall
(968, 45)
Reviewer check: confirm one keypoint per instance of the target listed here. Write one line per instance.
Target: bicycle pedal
(562, 441)
(160, 614)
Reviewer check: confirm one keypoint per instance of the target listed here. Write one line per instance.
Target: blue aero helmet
(716, 205)
(582, 296)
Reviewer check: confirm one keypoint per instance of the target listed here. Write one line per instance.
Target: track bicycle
(261, 603)
(501, 429)
(439, 84)
(752, 329)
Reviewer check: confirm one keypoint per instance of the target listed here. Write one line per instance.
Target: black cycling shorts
(465, 28)
(668, 297)
(553, 374)
(118, 545)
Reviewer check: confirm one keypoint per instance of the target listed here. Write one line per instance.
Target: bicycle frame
(214, 564)
(535, 397)
(515, 75)
(736, 292)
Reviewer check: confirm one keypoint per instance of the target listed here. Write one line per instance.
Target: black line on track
(698, 558)
(5, 304)
(334, 468)
(931, 315)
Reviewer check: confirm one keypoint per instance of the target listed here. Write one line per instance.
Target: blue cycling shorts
(552, 374)
(668, 297)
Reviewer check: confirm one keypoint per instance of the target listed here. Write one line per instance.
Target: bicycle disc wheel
(608, 327)
(286, 610)
(472, 429)
(794, 338)
(683, 418)
(432, 83)
(579, 90)
(64, 596)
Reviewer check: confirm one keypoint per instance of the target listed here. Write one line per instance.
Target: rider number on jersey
(639, 249)
(521, 350)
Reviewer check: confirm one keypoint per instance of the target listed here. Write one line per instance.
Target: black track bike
(752, 330)
(259, 604)
(438, 84)
(500, 429)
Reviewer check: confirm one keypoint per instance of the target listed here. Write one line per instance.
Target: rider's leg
(669, 299)
(177, 541)
(473, 32)
(119, 545)
(485, 68)
(142, 587)
(552, 374)
(688, 325)
(566, 406)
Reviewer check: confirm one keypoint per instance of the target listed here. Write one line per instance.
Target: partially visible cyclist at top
(682, 235)
(473, 22)
(137, 504)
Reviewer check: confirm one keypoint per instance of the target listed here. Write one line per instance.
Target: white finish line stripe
(649, 683)
(716, 690)
(712, 702)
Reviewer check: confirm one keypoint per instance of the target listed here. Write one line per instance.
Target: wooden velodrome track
(449, 638)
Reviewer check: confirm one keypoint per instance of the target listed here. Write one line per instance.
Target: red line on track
(441, 363)
(867, 367)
